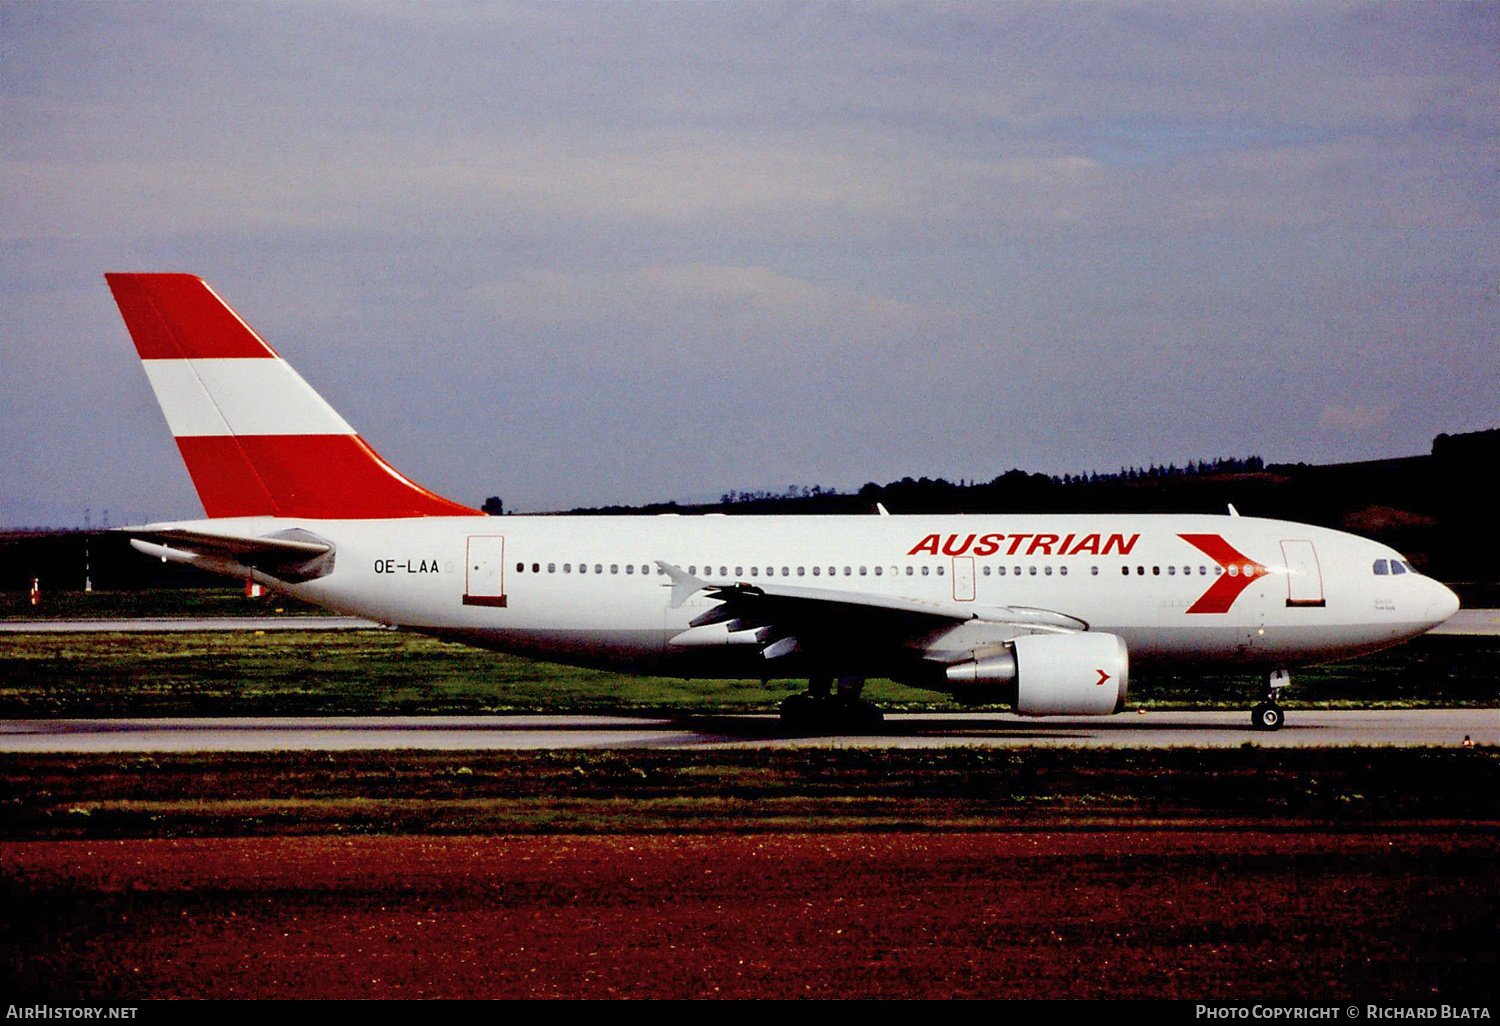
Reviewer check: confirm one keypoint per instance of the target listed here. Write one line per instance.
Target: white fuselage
(590, 591)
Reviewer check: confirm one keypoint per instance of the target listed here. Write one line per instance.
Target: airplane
(1045, 613)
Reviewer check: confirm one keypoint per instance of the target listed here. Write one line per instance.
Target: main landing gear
(1269, 715)
(824, 708)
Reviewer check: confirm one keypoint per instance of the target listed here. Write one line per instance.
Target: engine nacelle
(1083, 674)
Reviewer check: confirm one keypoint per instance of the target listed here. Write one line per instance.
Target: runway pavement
(176, 624)
(1470, 621)
(1218, 729)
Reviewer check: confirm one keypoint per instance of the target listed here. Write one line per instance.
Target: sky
(580, 254)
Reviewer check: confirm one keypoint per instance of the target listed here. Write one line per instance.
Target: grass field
(830, 872)
(396, 673)
(90, 605)
(650, 791)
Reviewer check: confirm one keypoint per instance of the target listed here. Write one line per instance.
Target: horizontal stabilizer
(287, 556)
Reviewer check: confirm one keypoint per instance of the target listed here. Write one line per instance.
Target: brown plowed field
(1200, 913)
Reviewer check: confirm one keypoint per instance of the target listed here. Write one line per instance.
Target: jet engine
(1082, 674)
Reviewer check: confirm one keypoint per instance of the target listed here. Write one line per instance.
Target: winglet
(684, 585)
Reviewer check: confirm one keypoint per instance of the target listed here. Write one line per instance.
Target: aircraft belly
(1227, 645)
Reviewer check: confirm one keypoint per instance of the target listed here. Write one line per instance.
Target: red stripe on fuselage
(1240, 571)
(177, 316)
(334, 477)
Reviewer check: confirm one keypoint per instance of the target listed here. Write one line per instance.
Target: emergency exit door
(484, 573)
(963, 578)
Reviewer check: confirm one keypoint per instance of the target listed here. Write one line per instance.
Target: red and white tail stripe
(256, 438)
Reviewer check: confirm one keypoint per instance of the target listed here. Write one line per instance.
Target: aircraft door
(1304, 576)
(484, 580)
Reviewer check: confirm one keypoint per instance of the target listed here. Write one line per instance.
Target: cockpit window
(1381, 568)
(1398, 567)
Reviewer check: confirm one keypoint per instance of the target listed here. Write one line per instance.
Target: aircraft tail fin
(256, 438)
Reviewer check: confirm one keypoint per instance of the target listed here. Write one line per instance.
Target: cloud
(874, 239)
(1354, 419)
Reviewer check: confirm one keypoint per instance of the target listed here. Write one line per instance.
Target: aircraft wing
(785, 618)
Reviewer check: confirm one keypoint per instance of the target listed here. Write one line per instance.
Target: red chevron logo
(1240, 571)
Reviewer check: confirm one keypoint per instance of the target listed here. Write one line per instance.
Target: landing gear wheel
(799, 712)
(859, 715)
(1267, 716)
(827, 714)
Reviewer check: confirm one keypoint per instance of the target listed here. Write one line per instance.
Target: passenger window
(986, 571)
(552, 568)
(941, 571)
(848, 572)
(598, 568)
(739, 571)
(630, 568)
(536, 568)
(816, 570)
(802, 571)
(878, 569)
(614, 568)
(926, 571)
(910, 571)
(1047, 570)
(521, 568)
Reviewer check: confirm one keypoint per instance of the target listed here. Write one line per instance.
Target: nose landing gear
(1269, 715)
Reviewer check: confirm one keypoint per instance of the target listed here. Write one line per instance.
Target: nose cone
(1441, 605)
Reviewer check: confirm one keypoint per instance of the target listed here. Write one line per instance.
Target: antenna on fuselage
(1232, 511)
